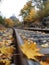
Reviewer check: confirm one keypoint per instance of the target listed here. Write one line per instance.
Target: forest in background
(35, 13)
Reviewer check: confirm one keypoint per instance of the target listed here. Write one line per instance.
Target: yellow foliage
(29, 12)
(25, 7)
(28, 18)
(32, 12)
(28, 4)
(31, 16)
(9, 22)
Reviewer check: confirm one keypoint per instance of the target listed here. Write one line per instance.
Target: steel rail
(19, 57)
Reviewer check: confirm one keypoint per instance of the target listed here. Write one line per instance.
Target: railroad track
(19, 58)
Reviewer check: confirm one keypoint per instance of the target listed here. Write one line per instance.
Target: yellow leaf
(30, 50)
(7, 51)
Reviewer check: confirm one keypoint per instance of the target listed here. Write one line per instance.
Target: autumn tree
(25, 10)
(35, 10)
(28, 12)
(9, 22)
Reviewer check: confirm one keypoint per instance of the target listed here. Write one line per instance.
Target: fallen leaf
(31, 50)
